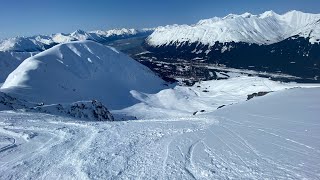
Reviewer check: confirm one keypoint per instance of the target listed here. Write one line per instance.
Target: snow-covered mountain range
(43, 42)
(266, 28)
(81, 70)
(14, 50)
(287, 43)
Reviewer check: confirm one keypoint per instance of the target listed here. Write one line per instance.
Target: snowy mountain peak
(81, 35)
(208, 21)
(294, 12)
(266, 28)
(79, 31)
(246, 15)
(267, 14)
(231, 16)
(121, 31)
(77, 71)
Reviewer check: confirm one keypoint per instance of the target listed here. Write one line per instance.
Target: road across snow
(271, 137)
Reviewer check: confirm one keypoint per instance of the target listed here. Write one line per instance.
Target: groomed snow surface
(271, 137)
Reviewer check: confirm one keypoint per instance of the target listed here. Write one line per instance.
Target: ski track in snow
(125, 150)
(244, 141)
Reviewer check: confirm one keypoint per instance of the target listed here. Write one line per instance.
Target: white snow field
(271, 137)
(82, 70)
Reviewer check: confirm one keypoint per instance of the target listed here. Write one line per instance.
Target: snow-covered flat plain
(271, 137)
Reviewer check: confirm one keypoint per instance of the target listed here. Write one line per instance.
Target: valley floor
(271, 137)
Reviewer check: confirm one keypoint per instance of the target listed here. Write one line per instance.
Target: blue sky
(30, 17)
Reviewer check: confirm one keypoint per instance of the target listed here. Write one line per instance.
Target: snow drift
(83, 70)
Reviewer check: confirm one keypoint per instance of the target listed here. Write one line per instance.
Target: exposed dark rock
(88, 110)
(262, 93)
(8, 102)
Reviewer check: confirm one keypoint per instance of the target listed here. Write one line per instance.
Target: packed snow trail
(271, 137)
(45, 147)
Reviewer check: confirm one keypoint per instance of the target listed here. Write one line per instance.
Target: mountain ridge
(43, 42)
(266, 28)
(287, 43)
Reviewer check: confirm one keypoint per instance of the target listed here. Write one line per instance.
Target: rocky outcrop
(88, 110)
(8, 102)
(84, 110)
(262, 93)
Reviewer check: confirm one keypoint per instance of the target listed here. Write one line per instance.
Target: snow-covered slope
(41, 42)
(272, 137)
(81, 71)
(311, 31)
(203, 97)
(9, 61)
(266, 28)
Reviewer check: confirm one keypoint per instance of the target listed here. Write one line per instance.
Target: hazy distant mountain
(41, 42)
(14, 50)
